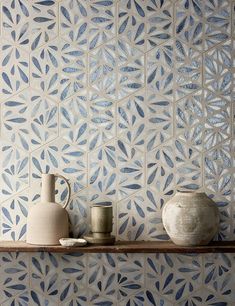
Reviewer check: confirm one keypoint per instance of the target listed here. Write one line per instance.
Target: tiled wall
(130, 100)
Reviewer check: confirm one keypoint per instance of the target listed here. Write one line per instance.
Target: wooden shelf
(121, 247)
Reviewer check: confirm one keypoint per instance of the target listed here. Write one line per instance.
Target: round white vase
(191, 218)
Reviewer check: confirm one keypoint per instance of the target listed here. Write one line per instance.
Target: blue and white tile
(159, 22)
(130, 163)
(74, 22)
(218, 162)
(116, 69)
(58, 69)
(19, 300)
(14, 214)
(203, 297)
(59, 157)
(219, 275)
(103, 170)
(73, 279)
(44, 22)
(225, 211)
(155, 202)
(15, 69)
(190, 123)
(159, 70)
(79, 214)
(131, 22)
(131, 216)
(16, 22)
(14, 266)
(137, 299)
(188, 163)
(29, 24)
(188, 74)
(131, 118)
(218, 184)
(130, 277)
(218, 69)
(29, 120)
(218, 22)
(159, 126)
(217, 119)
(188, 22)
(173, 276)
(37, 298)
(73, 70)
(102, 69)
(152, 299)
(74, 120)
(203, 24)
(45, 69)
(102, 279)
(15, 170)
(160, 167)
(131, 74)
(102, 127)
(160, 187)
(102, 22)
(171, 83)
(45, 276)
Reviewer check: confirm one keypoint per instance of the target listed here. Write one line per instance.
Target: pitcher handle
(69, 189)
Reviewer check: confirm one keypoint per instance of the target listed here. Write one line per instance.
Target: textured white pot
(191, 218)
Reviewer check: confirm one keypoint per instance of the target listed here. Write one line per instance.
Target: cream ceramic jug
(48, 221)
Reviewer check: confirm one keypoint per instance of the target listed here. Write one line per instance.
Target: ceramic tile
(190, 120)
(131, 22)
(202, 24)
(30, 25)
(130, 278)
(188, 165)
(159, 22)
(116, 69)
(159, 127)
(204, 297)
(16, 281)
(102, 120)
(131, 215)
(45, 277)
(131, 118)
(74, 119)
(73, 279)
(15, 22)
(102, 165)
(19, 300)
(186, 75)
(130, 163)
(15, 69)
(160, 167)
(58, 69)
(15, 170)
(129, 100)
(14, 214)
(173, 276)
(102, 279)
(59, 156)
(154, 204)
(218, 70)
(30, 120)
(219, 275)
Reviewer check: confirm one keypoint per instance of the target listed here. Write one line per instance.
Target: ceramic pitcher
(48, 221)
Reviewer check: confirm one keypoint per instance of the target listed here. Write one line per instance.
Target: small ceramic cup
(101, 220)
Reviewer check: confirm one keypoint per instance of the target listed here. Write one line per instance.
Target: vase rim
(189, 192)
